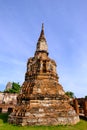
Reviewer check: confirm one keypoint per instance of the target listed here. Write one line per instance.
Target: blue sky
(65, 23)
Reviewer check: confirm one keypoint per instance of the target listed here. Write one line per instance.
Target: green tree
(15, 88)
(70, 94)
(85, 96)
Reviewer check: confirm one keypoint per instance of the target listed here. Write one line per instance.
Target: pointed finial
(42, 33)
(42, 26)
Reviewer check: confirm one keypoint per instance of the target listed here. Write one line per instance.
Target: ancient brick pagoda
(42, 100)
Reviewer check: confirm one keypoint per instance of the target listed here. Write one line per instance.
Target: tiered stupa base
(48, 111)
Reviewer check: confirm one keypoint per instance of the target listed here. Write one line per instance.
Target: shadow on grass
(4, 117)
(83, 118)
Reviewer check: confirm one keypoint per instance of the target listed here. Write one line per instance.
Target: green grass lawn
(82, 125)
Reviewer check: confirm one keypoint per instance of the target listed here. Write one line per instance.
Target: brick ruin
(80, 105)
(42, 100)
(7, 102)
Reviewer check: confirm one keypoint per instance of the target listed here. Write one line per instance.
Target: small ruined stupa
(42, 100)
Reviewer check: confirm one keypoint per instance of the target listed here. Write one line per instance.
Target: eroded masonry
(42, 100)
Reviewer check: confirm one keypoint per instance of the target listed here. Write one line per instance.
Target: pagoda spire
(42, 44)
(42, 36)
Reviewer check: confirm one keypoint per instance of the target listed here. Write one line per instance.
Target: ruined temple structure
(42, 100)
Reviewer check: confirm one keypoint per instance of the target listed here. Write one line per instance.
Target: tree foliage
(70, 94)
(15, 88)
(86, 96)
